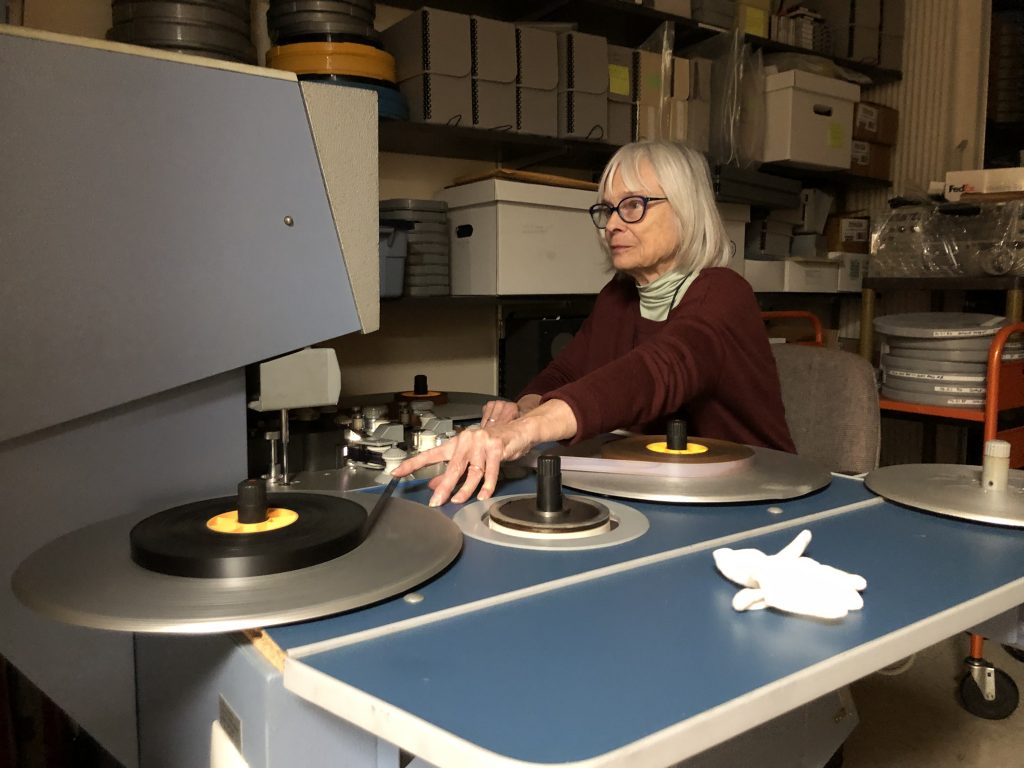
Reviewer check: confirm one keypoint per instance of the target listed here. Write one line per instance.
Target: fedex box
(511, 238)
(809, 119)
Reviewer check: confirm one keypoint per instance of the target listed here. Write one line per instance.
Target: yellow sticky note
(836, 134)
(618, 80)
(755, 21)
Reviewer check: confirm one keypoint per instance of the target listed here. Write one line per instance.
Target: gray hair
(684, 176)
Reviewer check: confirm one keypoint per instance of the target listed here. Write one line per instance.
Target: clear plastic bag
(737, 100)
(942, 240)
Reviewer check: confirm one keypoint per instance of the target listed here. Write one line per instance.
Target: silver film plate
(87, 577)
(770, 475)
(951, 490)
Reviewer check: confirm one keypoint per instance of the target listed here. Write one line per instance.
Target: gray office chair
(831, 401)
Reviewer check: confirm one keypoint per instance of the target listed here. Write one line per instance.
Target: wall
(941, 98)
(453, 341)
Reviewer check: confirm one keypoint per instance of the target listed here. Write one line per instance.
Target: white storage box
(814, 208)
(766, 276)
(852, 269)
(768, 240)
(809, 119)
(984, 181)
(513, 238)
(735, 218)
(393, 245)
(811, 276)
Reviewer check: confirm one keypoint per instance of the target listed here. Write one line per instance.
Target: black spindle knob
(419, 384)
(676, 437)
(549, 485)
(252, 502)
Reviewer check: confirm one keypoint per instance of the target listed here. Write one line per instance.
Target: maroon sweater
(709, 362)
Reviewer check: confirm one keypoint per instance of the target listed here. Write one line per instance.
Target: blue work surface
(648, 663)
(484, 570)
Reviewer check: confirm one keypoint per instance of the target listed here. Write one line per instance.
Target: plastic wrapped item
(737, 100)
(943, 240)
(897, 246)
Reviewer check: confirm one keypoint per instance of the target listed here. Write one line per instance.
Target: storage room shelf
(993, 283)
(511, 149)
(823, 178)
(623, 23)
(959, 414)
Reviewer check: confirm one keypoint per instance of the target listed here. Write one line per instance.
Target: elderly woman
(674, 334)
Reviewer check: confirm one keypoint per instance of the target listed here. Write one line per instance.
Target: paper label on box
(853, 230)
(860, 152)
(835, 136)
(867, 117)
(618, 79)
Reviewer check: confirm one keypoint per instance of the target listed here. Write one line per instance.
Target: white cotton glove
(789, 582)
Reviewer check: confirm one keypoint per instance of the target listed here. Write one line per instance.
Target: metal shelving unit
(622, 23)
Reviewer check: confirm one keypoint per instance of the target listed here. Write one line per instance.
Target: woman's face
(646, 249)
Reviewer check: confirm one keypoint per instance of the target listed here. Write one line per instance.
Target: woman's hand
(504, 411)
(477, 454)
(499, 412)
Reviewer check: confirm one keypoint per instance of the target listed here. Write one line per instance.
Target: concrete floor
(914, 720)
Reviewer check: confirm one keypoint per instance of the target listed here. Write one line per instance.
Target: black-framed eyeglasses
(630, 209)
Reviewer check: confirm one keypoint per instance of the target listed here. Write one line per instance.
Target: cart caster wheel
(1001, 707)
(1017, 653)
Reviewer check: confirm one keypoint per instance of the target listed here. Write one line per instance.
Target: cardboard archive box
(717, 13)
(493, 46)
(536, 81)
(870, 160)
(875, 123)
(582, 86)
(433, 64)
(620, 94)
(848, 234)
(854, 25)
(809, 119)
(857, 43)
(512, 238)
(690, 104)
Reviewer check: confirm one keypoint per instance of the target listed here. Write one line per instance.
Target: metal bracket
(985, 678)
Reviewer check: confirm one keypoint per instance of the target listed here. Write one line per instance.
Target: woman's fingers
(420, 460)
(498, 412)
(474, 474)
(447, 481)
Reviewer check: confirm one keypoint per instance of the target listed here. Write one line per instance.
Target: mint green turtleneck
(657, 298)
